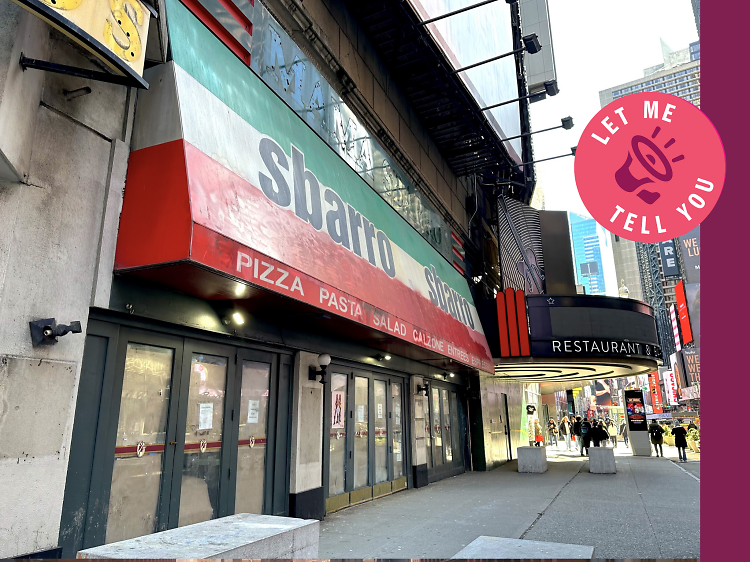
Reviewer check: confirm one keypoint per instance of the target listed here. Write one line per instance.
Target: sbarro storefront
(248, 250)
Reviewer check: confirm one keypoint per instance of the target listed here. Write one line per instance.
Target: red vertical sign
(682, 312)
(656, 400)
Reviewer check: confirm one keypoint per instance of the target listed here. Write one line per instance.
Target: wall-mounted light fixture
(47, 330)
(238, 319)
(323, 360)
(382, 357)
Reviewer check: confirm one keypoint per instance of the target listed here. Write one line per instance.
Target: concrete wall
(355, 54)
(495, 446)
(57, 231)
(307, 426)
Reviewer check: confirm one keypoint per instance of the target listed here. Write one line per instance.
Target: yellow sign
(114, 30)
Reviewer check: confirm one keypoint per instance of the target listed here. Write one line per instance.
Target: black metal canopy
(440, 99)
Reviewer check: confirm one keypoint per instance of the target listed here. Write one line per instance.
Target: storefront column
(418, 443)
(306, 496)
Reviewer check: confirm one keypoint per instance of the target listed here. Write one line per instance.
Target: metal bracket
(47, 66)
(47, 330)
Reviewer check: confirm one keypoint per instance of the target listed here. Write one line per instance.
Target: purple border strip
(723, 87)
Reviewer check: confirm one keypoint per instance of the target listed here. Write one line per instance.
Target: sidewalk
(649, 509)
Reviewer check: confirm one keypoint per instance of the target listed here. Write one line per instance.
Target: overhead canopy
(231, 195)
(577, 338)
(420, 59)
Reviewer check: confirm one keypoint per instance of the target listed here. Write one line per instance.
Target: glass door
(365, 453)
(137, 504)
(381, 431)
(361, 433)
(170, 447)
(202, 452)
(253, 402)
(437, 434)
(337, 456)
(397, 433)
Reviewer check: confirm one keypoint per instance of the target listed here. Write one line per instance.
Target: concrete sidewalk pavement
(649, 509)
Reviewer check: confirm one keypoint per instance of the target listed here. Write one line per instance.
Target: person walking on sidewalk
(624, 431)
(538, 435)
(680, 441)
(612, 431)
(552, 430)
(598, 434)
(565, 431)
(585, 436)
(657, 437)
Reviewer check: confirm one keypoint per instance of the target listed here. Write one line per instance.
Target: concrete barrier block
(502, 548)
(237, 536)
(532, 459)
(602, 460)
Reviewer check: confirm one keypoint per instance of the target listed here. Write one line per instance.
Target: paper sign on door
(253, 411)
(205, 416)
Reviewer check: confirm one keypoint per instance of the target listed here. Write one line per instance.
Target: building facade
(275, 211)
(679, 75)
(592, 256)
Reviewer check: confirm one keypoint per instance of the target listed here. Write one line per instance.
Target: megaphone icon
(647, 158)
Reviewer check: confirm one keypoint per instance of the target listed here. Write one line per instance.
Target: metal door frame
(119, 332)
(191, 346)
(352, 371)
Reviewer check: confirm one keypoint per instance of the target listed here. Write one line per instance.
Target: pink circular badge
(650, 167)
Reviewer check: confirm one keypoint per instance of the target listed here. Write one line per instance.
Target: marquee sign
(568, 326)
(579, 347)
(225, 177)
(115, 31)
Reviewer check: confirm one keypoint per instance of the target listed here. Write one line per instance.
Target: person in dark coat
(598, 434)
(691, 425)
(680, 441)
(657, 437)
(585, 435)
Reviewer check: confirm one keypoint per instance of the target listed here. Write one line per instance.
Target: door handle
(173, 442)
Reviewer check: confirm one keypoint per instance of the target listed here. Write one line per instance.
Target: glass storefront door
(446, 422)
(192, 434)
(255, 377)
(135, 500)
(365, 455)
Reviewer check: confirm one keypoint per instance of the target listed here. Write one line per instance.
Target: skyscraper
(637, 263)
(697, 14)
(592, 256)
(679, 74)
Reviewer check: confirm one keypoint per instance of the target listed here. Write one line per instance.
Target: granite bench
(237, 536)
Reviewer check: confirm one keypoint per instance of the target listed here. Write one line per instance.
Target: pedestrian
(552, 430)
(612, 431)
(624, 431)
(538, 435)
(680, 441)
(598, 434)
(692, 425)
(585, 435)
(657, 437)
(564, 430)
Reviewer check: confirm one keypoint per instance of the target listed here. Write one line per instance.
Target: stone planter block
(602, 460)
(532, 459)
(237, 536)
